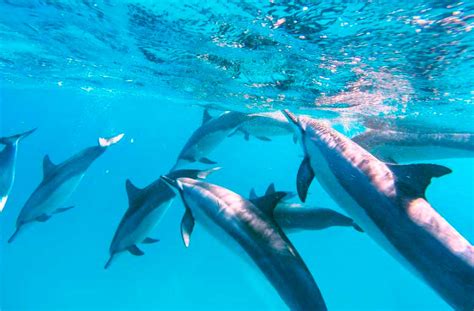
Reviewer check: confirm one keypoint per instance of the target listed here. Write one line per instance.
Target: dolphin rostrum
(146, 208)
(251, 228)
(264, 125)
(7, 164)
(59, 182)
(388, 202)
(398, 146)
(296, 217)
(208, 136)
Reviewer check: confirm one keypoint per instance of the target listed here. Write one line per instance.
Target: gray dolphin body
(294, 217)
(59, 182)
(407, 147)
(265, 125)
(208, 136)
(388, 202)
(146, 208)
(7, 164)
(251, 228)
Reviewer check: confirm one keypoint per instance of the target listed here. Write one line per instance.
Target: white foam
(3, 201)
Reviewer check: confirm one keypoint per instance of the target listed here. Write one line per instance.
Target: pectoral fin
(43, 218)
(134, 250)
(304, 178)
(150, 241)
(264, 138)
(207, 161)
(187, 225)
(62, 209)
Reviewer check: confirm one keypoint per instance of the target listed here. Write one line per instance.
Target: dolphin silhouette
(253, 230)
(264, 125)
(146, 208)
(388, 202)
(208, 136)
(59, 182)
(396, 146)
(296, 217)
(7, 164)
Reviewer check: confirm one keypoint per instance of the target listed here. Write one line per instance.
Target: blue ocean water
(83, 70)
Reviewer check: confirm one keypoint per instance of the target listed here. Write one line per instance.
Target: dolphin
(208, 136)
(253, 230)
(7, 164)
(59, 182)
(294, 217)
(402, 147)
(146, 208)
(388, 202)
(264, 125)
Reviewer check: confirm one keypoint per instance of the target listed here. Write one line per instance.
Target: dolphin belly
(46, 200)
(139, 227)
(338, 193)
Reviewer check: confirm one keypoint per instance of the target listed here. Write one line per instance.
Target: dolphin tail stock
(14, 235)
(13, 139)
(106, 142)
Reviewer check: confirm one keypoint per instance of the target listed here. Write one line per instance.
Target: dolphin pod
(226, 214)
(388, 202)
(59, 182)
(383, 199)
(7, 164)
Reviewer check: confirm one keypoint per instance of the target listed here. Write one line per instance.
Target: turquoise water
(83, 70)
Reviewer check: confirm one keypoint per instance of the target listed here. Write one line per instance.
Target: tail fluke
(13, 139)
(13, 237)
(106, 142)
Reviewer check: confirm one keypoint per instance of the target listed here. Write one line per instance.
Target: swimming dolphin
(264, 125)
(253, 230)
(296, 217)
(208, 136)
(59, 182)
(146, 208)
(402, 147)
(7, 164)
(388, 202)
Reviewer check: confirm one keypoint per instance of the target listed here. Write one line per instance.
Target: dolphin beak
(109, 262)
(292, 118)
(28, 133)
(14, 235)
(173, 184)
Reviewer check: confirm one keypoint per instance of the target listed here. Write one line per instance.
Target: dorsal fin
(132, 191)
(206, 116)
(267, 203)
(253, 195)
(48, 166)
(413, 179)
(270, 189)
